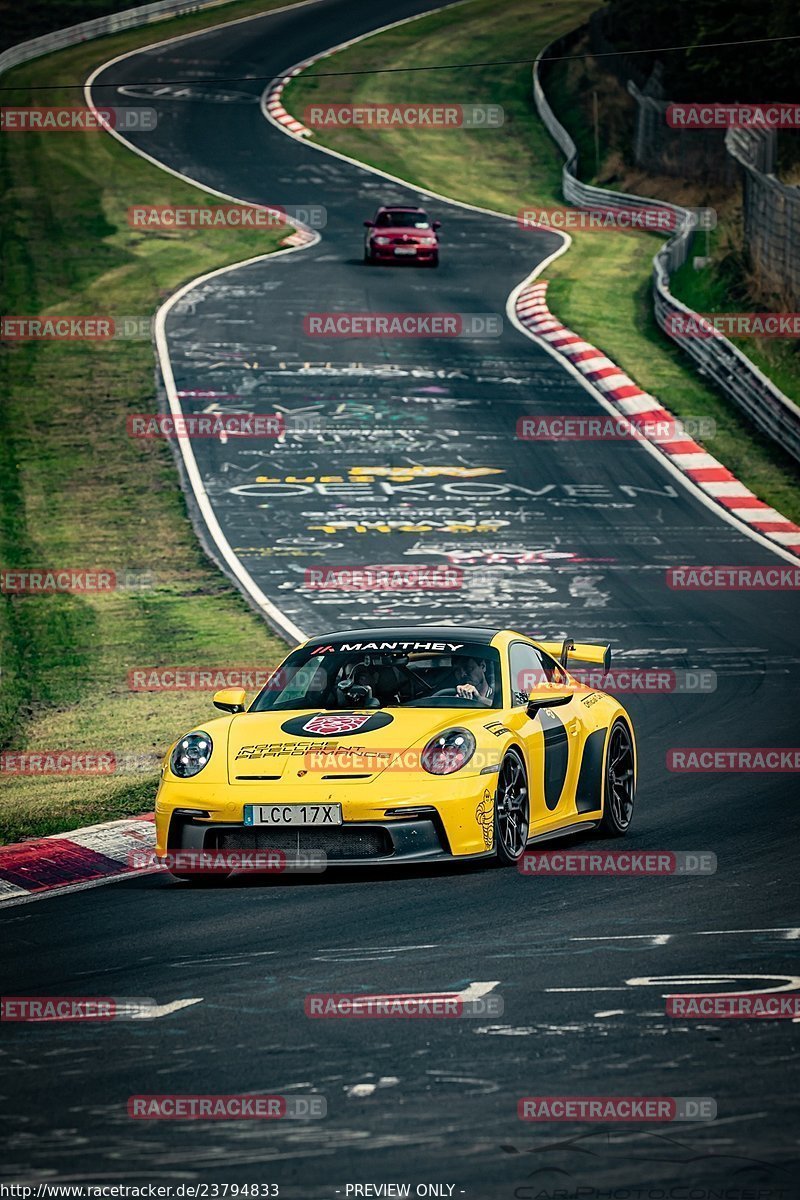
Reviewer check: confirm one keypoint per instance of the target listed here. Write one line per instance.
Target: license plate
(292, 814)
(405, 250)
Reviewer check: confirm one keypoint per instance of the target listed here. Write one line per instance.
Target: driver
(471, 681)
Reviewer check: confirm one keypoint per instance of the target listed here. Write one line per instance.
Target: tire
(368, 259)
(435, 260)
(619, 781)
(512, 810)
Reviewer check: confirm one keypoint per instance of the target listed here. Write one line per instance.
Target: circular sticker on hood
(336, 724)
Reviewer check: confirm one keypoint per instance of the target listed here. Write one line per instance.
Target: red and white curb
(70, 860)
(273, 105)
(682, 452)
(301, 237)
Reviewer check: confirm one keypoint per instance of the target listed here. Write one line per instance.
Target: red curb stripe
(652, 416)
(744, 502)
(602, 372)
(52, 862)
(718, 474)
(626, 391)
(685, 447)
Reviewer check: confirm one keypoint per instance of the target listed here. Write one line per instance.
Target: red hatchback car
(400, 234)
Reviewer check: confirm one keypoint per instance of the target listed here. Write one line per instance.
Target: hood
(305, 746)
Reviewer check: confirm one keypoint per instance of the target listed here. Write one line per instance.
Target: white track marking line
(671, 982)
(476, 990)
(155, 1011)
(791, 934)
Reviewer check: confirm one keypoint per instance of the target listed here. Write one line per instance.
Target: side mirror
(230, 699)
(436, 225)
(369, 224)
(547, 702)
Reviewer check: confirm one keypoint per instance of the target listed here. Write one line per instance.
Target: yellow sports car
(405, 745)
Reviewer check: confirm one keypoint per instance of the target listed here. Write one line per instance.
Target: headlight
(381, 241)
(431, 241)
(448, 752)
(191, 754)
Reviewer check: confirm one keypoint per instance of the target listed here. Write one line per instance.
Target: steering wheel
(358, 695)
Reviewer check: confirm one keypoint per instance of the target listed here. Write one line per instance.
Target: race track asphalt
(582, 964)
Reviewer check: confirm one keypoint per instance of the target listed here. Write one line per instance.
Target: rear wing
(570, 652)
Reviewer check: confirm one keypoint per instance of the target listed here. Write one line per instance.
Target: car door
(552, 737)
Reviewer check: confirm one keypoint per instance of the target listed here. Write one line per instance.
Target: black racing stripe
(589, 791)
(556, 757)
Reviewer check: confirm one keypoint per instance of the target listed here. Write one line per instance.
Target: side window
(301, 683)
(530, 669)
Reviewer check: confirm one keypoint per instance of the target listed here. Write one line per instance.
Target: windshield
(406, 220)
(367, 675)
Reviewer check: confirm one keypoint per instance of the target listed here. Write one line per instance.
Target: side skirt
(564, 831)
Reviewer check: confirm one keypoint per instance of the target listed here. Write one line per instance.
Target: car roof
(399, 208)
(411, 633)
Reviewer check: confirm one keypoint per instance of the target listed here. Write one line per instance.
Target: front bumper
(387, 254)
(416, 840)
(382, 822)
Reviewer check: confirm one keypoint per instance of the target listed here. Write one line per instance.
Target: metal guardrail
(716, 357)
(73, 35)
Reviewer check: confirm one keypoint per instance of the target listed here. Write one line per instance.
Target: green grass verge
(75, 490)
(721, 287)
(601, 287)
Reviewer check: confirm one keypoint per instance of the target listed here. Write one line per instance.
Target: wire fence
(716, 358)
(771, 213)
(700, 155)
